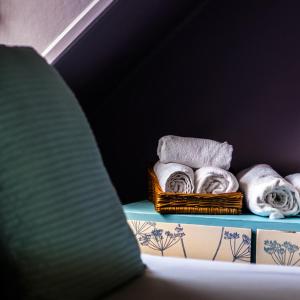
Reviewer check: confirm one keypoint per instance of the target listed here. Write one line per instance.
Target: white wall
(40, 23)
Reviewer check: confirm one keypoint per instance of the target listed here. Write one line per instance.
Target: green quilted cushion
(60, 218)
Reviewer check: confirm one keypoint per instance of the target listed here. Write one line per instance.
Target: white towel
(194, 152)
(215, 181)
(174, 178)
(267, 193)
(294, 179)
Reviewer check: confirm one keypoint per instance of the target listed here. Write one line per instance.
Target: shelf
(144, 210)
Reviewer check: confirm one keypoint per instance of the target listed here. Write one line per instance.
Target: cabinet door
(193, 241)
(278, 247)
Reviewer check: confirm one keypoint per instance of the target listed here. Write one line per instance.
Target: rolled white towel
(294, 179)
(174, 178)
(194, 152)
(215, 181)
(267, 193)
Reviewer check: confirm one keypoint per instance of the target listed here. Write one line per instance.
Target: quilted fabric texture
(60, 217)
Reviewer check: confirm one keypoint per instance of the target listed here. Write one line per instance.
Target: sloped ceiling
(48, 26)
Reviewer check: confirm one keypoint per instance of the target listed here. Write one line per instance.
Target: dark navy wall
(116, 42)
(104, 56)
(230, 72)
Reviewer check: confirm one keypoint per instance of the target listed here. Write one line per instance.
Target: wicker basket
(178, 203)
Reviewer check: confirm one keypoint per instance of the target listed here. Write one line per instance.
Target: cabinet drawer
(278, 247)
(193, 241)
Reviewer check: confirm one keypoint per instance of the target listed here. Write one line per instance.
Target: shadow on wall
(230, 73)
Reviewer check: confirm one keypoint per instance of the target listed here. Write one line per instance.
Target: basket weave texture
(178, 203)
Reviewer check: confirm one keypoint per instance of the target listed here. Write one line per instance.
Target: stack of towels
(194, 165)
(269, 194)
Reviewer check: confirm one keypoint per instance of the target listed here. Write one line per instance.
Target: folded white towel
(267, 193)
(194, 152)
(215, 181)
(174, 178)
(294, 179)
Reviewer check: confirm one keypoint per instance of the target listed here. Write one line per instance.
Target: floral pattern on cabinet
(193, 241)
(278, 247)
